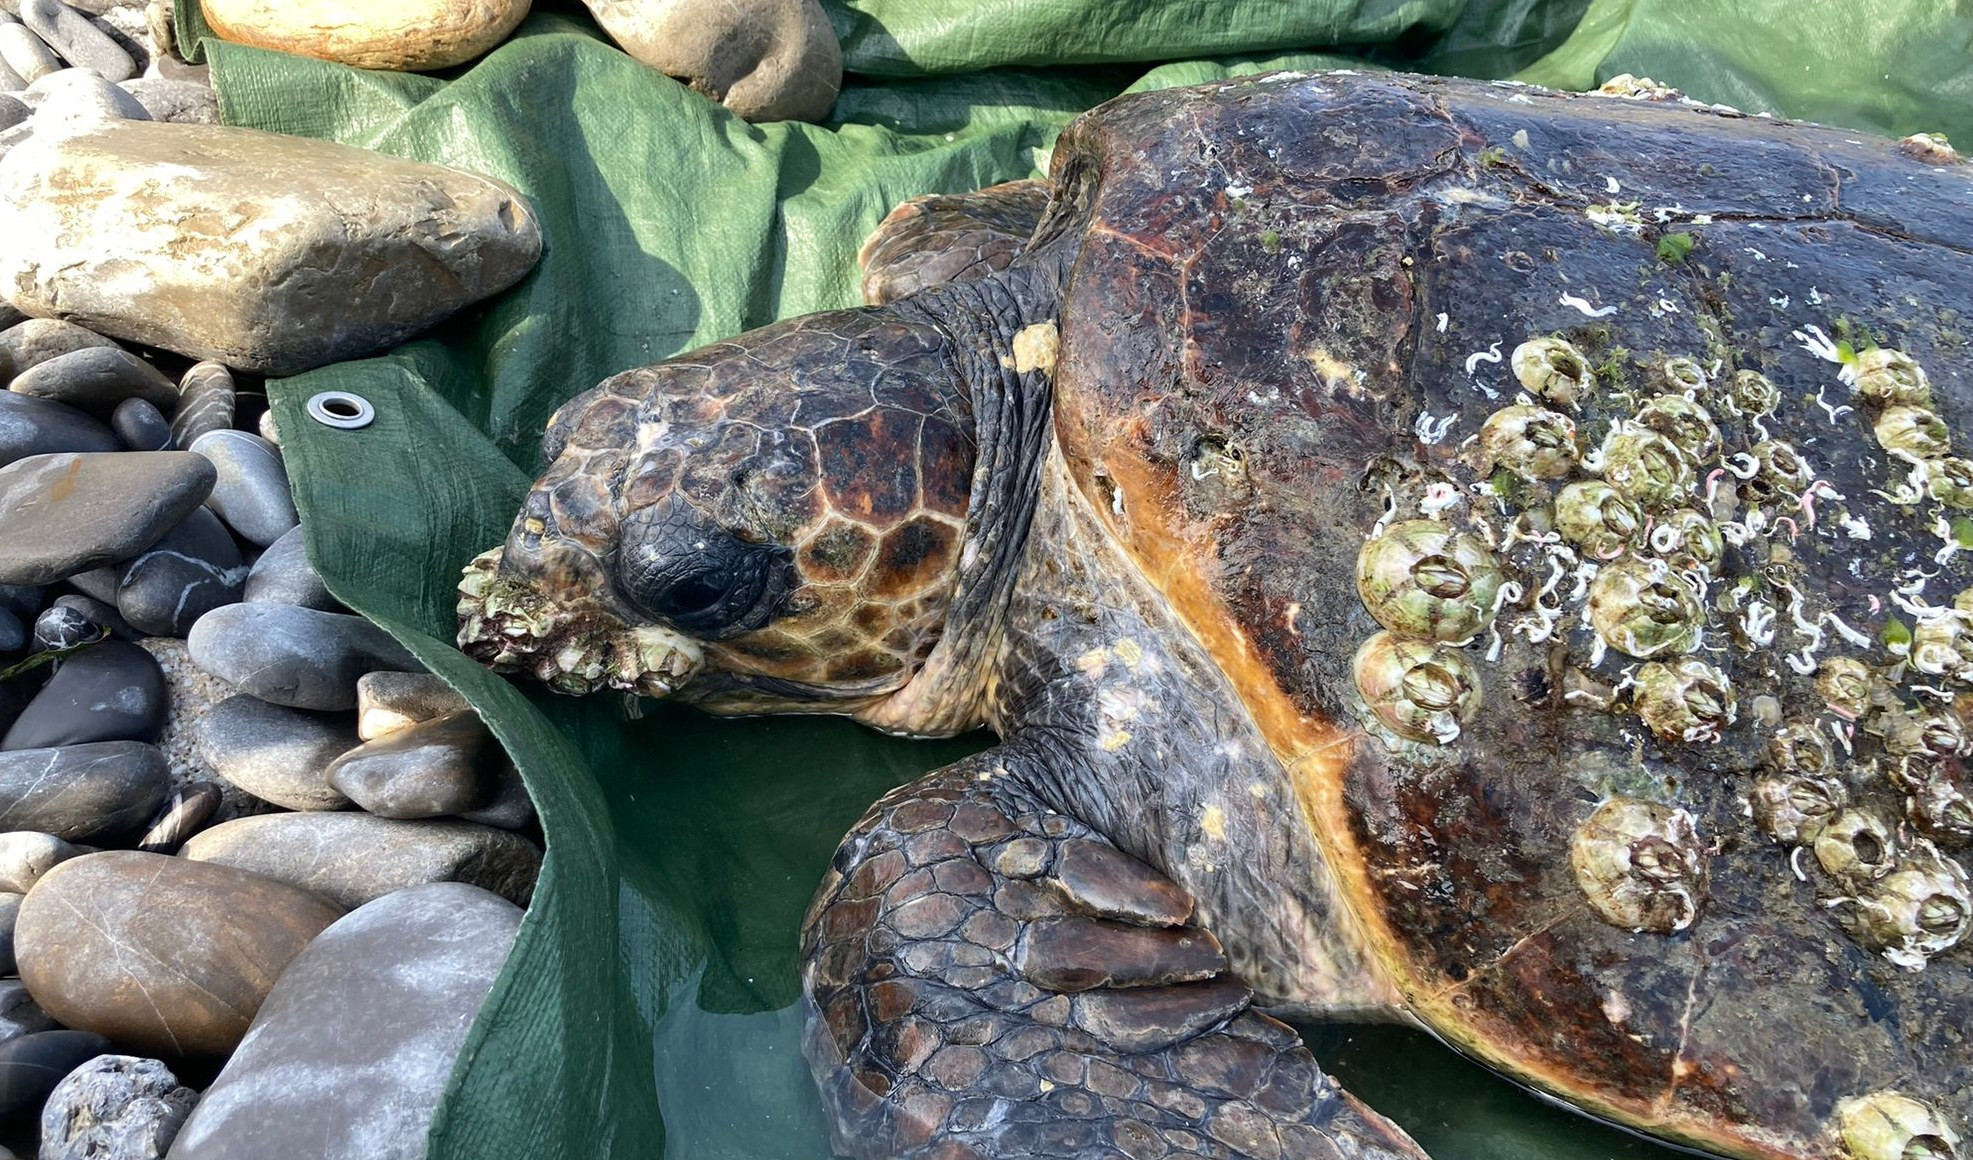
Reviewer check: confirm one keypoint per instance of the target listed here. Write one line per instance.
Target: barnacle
(1553, 369)
(1890, 1125)
(1684, 700)
(1912, 433)
(1641, 865)
(1420, 689)
(1689, 540)
(1684, 421)
(1646, 467)
(1854, 846)
(1781, 466)
(1800, 748)
(1643, 607)
(1918, 910)
(1890, 377)
(1593, 516)
(1935, 798)
(1950, 481)
(1923, 734)
(1795, 809)
(1942, 644)
(1529, 441)
(1684, 374)
(1845, 684)
(1754, 394)
(1420, 578)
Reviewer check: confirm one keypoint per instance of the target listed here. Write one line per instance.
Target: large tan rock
(767, 60)
(405, 35)
(268, 253)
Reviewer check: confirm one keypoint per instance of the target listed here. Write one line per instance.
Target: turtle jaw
(512, 627)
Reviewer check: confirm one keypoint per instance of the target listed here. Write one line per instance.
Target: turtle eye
(678, 566)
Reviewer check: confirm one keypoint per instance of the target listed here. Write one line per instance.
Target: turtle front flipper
(987, 978)
(950, 237)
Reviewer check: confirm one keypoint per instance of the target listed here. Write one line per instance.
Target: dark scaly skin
(949, 238)
(1234, 298)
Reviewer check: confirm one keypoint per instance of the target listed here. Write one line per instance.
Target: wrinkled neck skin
(1111, 711)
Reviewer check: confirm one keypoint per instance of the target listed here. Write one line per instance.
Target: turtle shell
(1671, 824)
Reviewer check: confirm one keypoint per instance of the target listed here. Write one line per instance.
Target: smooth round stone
(401, 980)
(98, 613)
(269, 429)
(98, 584)
(27, 55)
(194, 569)
(85, 793)
(29, 343)
(408, 36)
(275, 753)
(291, 655)
(252, 493)
(26, 858)
(75, 100)
(167, 955)
(388, 702)
(179, 102)
(115, 1107)
(139, 426)
(283, 575)
(354, 858)
(113, 691)
(426, 770)
(10, 909)
(31, 426)
(185, 811)
(78, 41)
(12, 82)
(69, 512)
(64, 626)
(96, 380)
(791, 68)
(13, 634)
(206, 397)
(95, 227)
(33, 1064)
(19, 1014)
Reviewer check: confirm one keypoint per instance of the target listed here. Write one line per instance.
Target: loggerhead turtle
(1430, 550)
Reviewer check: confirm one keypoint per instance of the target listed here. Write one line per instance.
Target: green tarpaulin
(647, 1007)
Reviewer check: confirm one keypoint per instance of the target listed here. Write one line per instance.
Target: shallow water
(734, 822)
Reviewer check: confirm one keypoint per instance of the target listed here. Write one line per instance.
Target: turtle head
(768, 524)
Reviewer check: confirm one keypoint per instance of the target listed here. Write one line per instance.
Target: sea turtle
(1430, 550)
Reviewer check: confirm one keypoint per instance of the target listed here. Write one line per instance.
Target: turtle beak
(573, 645)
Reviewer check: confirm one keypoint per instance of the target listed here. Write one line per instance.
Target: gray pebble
(85, 102)
(113, 691)
(269, 430)
(10, 317)
(275, 753)
(511, 807)
(205, 403)
(96, 380)
(26, 856)
(115, 1107)
(10, 909)
(63, 626)
(400, 981)
(140, 426)
(31, 426)
(388, 702)
(13, 634)
(427, 770)
(26, 55)
(33, 341)
(353, 858)
(13, 111)
(97, 792)
(194, 569)
(67, 513)
(33, 1064)
(291, 655)
(178, 102)
(98, 612)
(19, 1013)
(81, 43)
(185, 812)
(251, 493)
(283, 575)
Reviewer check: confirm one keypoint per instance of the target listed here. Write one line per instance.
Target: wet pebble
(67, 513)
(96, 380)
(19, 1013)
(164, 954)
(425, 770)
(98, 613)
(194, 569)
(26, 858)
(294, 656)
(275, 753)
(85, 793)
(206, 399)
(33, 341)
(401, 980)
(64, 626)
(353, 858)
(388, 702)
(251, 493)
(31, 426)
(33, 1064)
(114, 1107)
(140, 426)
(113, 691)
(78, 41)
(188, 808)
(283, 575)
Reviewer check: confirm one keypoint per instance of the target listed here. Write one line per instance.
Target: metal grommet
(341, 409)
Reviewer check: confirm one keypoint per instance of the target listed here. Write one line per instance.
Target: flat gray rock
(275, 753)
(139, 426)
(96, 380)
(180, 102)
(113, 691)
(291, 655)
(85, 793)
(33, 341)
(70, 512)
(283, 575)
(31, 426)
(115, 1107)
(324, 228)
(426, 770)
(78, 41)
(400, 980)
(252, 493)
(194, 569)
(354, 858)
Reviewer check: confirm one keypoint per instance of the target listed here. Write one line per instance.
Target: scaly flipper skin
(988, 978)
(949, 237)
